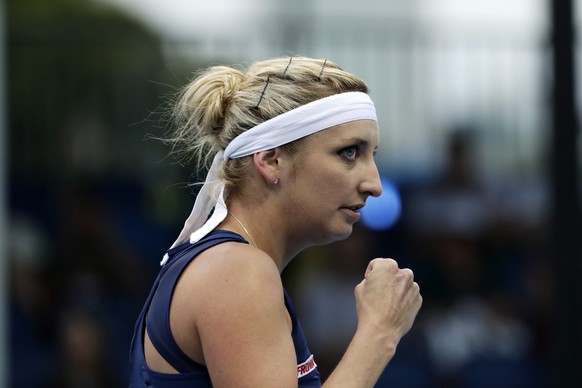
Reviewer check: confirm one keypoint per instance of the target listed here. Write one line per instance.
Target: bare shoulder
(231, 265)
(229, 277)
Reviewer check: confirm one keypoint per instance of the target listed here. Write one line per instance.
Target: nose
(371, 184)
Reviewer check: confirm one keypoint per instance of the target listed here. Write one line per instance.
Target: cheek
(323, 182)
(319, 177)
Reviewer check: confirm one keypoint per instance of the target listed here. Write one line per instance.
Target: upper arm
(243, 324)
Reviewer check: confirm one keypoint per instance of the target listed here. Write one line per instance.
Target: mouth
(353, 212)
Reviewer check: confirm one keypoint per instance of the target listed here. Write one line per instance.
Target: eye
(349, 153)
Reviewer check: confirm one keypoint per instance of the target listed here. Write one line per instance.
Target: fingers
(386, 271)
(407, 275)
(382, 268)
(381, 262)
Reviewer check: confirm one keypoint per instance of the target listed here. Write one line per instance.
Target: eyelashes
(350, 153)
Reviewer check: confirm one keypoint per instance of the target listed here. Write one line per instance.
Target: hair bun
(206, 101)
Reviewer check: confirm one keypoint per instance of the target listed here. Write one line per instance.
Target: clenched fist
(388, 298)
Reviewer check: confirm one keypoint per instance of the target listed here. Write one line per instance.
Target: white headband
(285, 128)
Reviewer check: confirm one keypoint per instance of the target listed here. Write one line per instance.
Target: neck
(264, 231)
(244, 228)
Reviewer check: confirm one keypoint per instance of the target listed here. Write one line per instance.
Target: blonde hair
(222, 102)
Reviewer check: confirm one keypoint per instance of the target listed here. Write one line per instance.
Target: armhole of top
(157, 318)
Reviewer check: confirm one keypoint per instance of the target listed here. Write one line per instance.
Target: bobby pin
(263, 93)
(321, 72)
(287, 68)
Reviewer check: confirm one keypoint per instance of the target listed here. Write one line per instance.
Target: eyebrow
(359, 141)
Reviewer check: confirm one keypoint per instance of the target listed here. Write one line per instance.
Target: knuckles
(404, 276)
(391, 266)
(407, 274)
(383, 264)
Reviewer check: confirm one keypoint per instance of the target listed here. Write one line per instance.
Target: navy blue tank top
(156, 313)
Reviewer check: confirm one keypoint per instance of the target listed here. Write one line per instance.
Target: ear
(268, 164)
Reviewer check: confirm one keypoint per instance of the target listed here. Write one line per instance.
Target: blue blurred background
(480, 198)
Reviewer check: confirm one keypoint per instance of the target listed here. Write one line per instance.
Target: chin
(340, 234)
(328, 235)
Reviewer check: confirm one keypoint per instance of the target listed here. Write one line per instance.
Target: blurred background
(477, 103)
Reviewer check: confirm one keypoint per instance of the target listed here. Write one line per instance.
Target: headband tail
(198, 224)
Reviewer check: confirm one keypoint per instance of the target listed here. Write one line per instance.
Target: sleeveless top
(156, 312)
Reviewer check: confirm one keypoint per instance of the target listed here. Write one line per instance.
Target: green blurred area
(72, 63)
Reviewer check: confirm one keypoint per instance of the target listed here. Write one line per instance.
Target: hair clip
(263, 93)
(321, 72)
(287, 68)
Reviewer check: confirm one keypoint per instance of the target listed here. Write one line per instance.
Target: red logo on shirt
(306, 367)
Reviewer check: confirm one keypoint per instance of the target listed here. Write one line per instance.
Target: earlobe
(267, 164)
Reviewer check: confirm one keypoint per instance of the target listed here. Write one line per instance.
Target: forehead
(365, 130)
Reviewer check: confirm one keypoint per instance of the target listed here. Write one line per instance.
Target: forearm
(387, 302)
(366, 357)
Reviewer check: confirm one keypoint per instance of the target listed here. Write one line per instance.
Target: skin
(228, 310)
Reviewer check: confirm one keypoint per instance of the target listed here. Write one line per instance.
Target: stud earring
(276, 181)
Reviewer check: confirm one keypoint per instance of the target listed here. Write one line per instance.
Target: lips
(353, 212)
